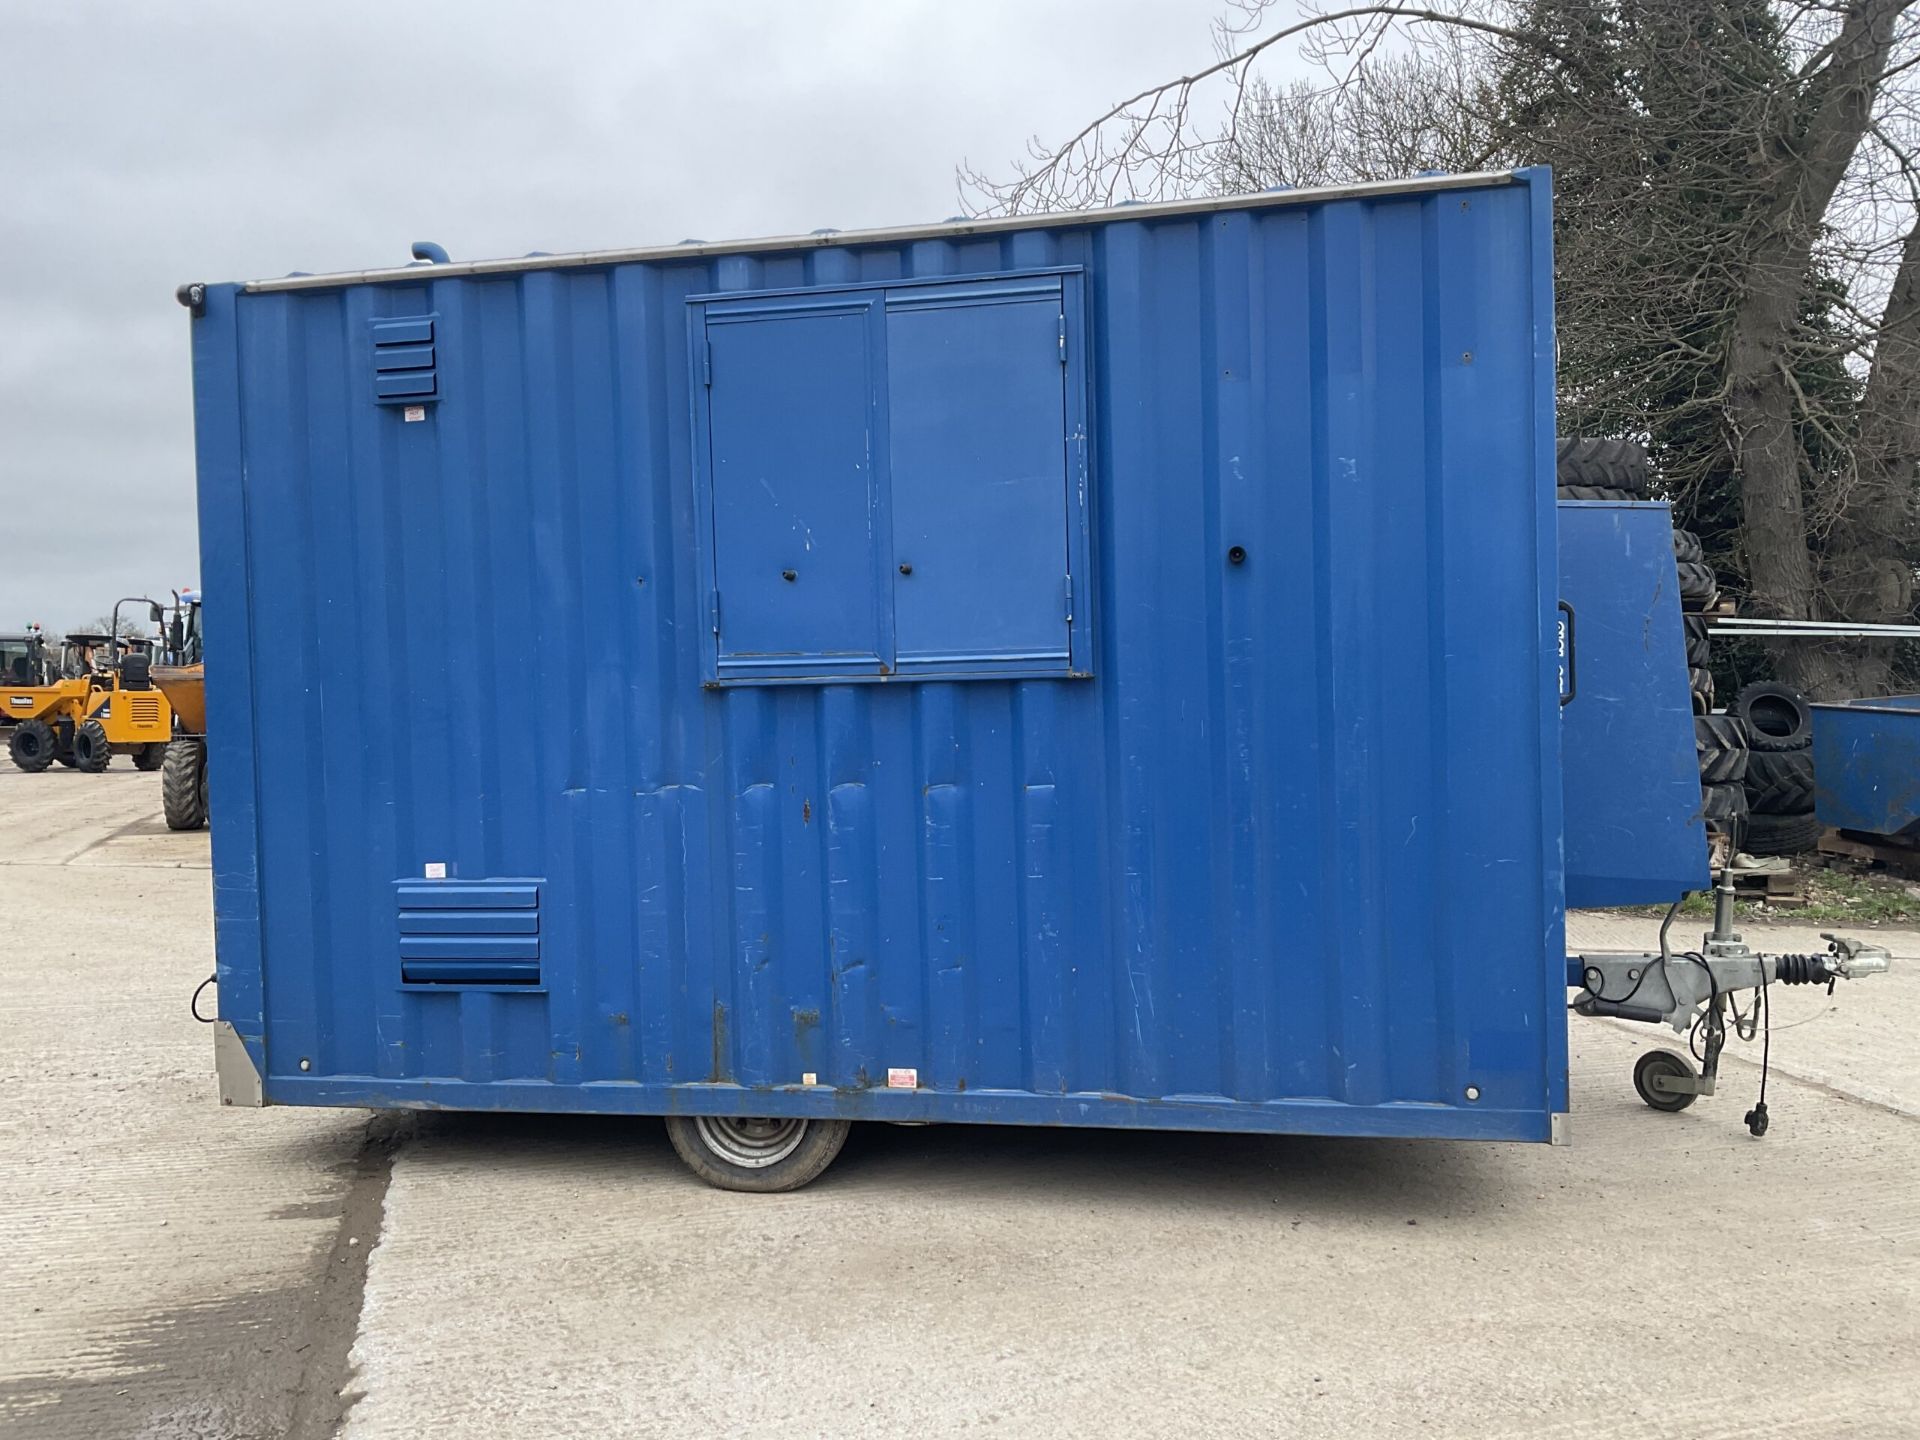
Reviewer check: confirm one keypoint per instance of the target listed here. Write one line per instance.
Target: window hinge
(715, 606)
(1063, 339)
(1069, 599)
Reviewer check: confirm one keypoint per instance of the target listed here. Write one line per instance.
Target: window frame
(1077, 473)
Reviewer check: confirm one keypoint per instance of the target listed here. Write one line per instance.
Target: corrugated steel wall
(1296, 842)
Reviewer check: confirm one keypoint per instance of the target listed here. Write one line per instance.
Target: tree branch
(1078, 155)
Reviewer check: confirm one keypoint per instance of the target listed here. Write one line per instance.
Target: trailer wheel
(759, 1156)
(31, 745)
(1671, 1065)
(150, 757)
(92, 751)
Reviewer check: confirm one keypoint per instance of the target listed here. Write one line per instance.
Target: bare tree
(1799, 167)
(1738, 237)
(1406, 113)
(103, 625)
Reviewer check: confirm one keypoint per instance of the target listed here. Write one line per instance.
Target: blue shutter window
(469, 932)
(403, 364)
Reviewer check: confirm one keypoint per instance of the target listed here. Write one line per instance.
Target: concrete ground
(169, 1268)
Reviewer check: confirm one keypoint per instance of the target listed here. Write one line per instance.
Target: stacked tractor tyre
(1719, 739)
(1779, 775)
(1720, 744)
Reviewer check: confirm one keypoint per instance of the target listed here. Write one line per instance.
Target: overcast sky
(145, 145)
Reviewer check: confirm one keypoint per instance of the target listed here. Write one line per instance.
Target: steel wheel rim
(752, 1144)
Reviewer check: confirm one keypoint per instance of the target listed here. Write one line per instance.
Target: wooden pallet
(1901, 859)
(1776, 887)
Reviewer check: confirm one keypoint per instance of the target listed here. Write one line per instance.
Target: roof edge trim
(891, 235)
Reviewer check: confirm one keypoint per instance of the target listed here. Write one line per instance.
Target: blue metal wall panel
(1630, 772)
(1289, 860)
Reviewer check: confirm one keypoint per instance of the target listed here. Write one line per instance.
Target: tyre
(1585, 462)
(1592, 492)
(1720, 742)
(1776, 716)
(150, 757)
(1686, 546)
(1666, 1064)
(1700, 683)
(1723, 806)
(1699, 647)
(1698, 589)
(1781, 834)
(1780, 782)
(755, 1155)
(92, 752)
(30, 745)
(183, 783)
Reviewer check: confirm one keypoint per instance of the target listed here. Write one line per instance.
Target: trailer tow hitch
(1698, 993)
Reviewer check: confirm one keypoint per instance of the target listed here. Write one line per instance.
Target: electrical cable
(1593, 994)
(193, 1005)
(1756, 1118)
(1666, 958)
(1709, 1017)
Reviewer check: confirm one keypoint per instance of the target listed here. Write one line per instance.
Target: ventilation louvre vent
(469, 932)
(403, 366)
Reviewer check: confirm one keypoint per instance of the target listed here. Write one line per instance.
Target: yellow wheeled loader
(94, 709)
(181, 676)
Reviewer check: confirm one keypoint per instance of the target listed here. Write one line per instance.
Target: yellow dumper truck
(98, 701)
(181, 676)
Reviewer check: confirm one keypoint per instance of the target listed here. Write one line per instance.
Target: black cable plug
(1757, 1117)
